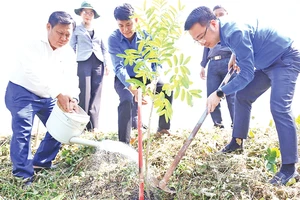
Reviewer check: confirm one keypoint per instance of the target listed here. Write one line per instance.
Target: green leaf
(298, 120)
(176, 70)
(187, 60)
(173, 77)
(181, 58)
(251, 134)
(271, 123)
(126, 62)
(168, 55)
(182, 94)
(189, 99)
(169, 62)
(167, 71)
(291, 182)
(136, 82)
(131, 51)
(195, 93)
(162, 111)
(177, 92)
(121, 55)
(277, 152)
(141, 45)
(175, 59)
(185, 81)
(137, 66)
(156, 42)
(166, 86)
(150, 11)
(168, 92)
(185, 70)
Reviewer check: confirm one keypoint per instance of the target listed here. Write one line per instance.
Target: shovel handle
(180, 154)
(227, 77)
(163, 183)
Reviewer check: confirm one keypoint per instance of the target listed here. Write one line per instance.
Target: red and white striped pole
(140, 146)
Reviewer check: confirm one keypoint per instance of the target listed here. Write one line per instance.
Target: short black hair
(201, 15)
(61, 17)
(123, 12)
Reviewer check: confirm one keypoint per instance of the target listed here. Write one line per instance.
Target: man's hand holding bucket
(67, 103)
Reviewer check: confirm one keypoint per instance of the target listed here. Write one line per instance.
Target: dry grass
(203, 173)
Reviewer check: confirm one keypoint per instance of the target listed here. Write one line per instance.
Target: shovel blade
(154, 182)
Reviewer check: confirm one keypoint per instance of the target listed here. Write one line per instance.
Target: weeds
(87, 173)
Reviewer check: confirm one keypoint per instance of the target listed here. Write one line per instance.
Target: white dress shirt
(44, 71)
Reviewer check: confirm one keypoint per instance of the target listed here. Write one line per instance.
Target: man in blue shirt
(217, 59)
(265, 58)
(121, 39)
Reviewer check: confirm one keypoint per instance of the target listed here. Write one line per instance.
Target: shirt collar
(46, 41)
(221, 33)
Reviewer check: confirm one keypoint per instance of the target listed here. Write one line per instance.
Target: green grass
(87, 173)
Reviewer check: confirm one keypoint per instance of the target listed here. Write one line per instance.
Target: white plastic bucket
(63, 126)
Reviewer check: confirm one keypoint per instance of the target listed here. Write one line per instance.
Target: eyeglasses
(202, 39)
(91, 13)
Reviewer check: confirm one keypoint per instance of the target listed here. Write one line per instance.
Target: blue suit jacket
(256, 45)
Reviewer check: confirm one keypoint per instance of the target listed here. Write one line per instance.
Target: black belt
(219, 57)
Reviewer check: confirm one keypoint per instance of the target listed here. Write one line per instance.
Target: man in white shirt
(45, 72)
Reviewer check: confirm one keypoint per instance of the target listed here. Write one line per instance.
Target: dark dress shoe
(27, 183)
(144, 127)
(232, 148)
(163, 131)
(281, 179)
(38, 168)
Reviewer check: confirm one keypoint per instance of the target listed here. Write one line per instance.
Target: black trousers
(126, 112)
(90, 73)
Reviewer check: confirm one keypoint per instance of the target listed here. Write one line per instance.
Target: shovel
(163, 183)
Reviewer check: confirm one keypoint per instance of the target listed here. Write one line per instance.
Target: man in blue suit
(265, 58)
(121, 39)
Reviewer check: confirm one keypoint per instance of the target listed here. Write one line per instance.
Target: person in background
(121, 39)
(92, 58)
(265, 58)
(45, 73)
(217, 59)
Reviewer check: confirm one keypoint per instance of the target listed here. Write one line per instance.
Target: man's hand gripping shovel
(163, 183)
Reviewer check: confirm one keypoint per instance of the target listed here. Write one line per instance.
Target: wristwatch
(220, 93)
